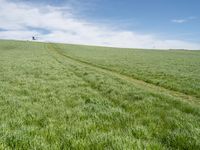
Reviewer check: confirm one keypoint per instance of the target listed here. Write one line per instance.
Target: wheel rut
(139, 83)
(67, 62)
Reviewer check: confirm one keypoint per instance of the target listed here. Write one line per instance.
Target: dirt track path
(138, 83)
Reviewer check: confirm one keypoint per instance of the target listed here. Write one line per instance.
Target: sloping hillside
(55, 96)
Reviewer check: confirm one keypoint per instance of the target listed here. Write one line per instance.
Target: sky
(161, 24)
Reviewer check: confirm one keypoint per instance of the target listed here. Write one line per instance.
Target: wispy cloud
(58, 24)
(184, 20)
(179, 20)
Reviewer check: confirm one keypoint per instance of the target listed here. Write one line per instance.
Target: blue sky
(145, 16)
(162, 21)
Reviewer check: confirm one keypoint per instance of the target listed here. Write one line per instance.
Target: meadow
(177, 70)
(56, 96)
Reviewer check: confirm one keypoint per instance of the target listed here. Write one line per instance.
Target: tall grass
(176, 70)
(48, 101)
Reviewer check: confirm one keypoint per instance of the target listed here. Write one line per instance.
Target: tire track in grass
(138, 83)
(113, 103)
(64, 62)
(75, 73)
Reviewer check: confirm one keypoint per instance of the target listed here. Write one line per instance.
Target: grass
(55, 96)
(175, 70)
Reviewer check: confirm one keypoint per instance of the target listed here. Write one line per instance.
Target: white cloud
(179, 20)
(184, 20)
(21, 21)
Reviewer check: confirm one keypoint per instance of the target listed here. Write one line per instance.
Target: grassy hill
(56, 96)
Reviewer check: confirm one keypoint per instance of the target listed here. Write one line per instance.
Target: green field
(56, 96)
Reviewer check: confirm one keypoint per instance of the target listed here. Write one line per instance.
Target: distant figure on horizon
(33, 38)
